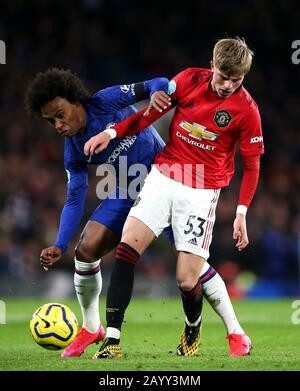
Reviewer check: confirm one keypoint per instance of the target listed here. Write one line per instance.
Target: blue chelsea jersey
(103, 110)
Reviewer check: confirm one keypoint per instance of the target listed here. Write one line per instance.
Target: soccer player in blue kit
(61, 98)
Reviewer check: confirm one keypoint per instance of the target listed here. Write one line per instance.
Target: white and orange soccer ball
(53, 326)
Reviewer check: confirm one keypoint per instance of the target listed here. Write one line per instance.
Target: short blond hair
(232, 56)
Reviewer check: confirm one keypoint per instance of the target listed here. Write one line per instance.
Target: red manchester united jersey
(205, 130)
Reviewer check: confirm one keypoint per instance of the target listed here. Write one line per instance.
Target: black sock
(121, 285)
(192, 302)
(111, 341)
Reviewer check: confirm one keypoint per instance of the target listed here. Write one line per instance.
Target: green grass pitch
(150, 336)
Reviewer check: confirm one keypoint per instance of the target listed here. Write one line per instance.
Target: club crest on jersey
(222, 118)
(125, 88)
(198, 131)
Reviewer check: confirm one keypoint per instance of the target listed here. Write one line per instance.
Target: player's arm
(251, 147)
(145, 117)
(251, 168)
(70, 217)
(135, 123)
(73, 208)
(131, 125)
(160, 104)
(118, 97)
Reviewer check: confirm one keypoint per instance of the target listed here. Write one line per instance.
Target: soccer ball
(53, 326)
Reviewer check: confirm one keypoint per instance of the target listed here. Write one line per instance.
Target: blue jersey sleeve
(118, 97)
(76, 196)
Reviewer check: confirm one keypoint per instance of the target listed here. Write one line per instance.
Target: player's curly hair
(52, 83)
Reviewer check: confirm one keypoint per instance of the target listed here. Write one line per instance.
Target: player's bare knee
(84, 252)
(186, 284)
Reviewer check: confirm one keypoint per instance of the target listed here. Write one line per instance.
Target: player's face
(67, 118)
(225, 85)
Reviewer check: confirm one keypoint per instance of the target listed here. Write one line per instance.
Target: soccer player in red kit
(213, 113)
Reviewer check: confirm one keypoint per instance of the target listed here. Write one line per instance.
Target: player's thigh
(193, 217)
(104, 229)
(95, 241)
(113, 212)
(137, 234)
(153, 205)
(188, 270)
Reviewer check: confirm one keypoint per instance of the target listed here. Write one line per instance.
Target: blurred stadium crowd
(116, 42)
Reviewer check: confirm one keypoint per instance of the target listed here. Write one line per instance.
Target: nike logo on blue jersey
(89, 159)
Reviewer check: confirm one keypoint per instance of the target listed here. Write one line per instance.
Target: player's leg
(146, 220)
(135, 239)
(96, 240)
(192, 300)
(101, 234)
(193, 216)
(216, 294)
(188, 269)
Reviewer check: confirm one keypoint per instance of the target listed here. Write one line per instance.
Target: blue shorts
(113, 212)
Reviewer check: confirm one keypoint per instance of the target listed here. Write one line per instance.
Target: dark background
(118, 42)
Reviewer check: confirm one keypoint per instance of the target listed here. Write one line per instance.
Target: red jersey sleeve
(250, 133)
(138, 121)
(251, 167)
(180, 86)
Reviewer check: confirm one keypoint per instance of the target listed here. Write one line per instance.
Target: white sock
(111, 332)
(88, 288)
(216, 294)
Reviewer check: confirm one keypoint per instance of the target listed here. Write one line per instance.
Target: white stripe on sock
(112, 332)
(195, 323)
(86, 266)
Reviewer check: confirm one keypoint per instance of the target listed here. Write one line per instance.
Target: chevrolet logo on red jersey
(198, 131)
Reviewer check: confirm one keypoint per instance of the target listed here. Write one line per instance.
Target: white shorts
(191, 212)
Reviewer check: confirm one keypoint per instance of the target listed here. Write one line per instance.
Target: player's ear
(211, 65)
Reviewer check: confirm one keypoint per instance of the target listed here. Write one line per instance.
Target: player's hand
(160, 101)
(240, 231)
(96, 143)
(49, 256)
